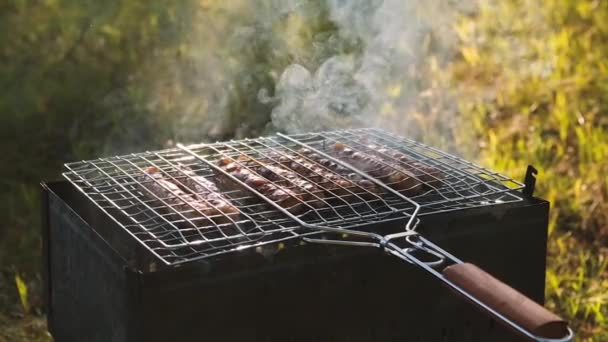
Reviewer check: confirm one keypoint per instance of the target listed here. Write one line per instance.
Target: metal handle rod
(442, 255)
(405, 255)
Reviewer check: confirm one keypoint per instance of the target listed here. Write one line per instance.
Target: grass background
(525, 82)
(533, 80)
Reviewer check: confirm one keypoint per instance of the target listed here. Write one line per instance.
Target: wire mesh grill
(447, 182)
(169, 222)
(328, 195)
(208, 199)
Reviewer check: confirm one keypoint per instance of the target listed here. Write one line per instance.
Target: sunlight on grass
(23, 296)
(532, 87)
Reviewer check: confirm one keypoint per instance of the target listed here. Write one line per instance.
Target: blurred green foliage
(528, 84)
(60, 62)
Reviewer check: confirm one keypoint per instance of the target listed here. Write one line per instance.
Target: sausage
(281, 195)
(307, 190)
(394, 176)
(314, 172)
(207, 192)
(176, 199)
(429, 175)
(317, 168)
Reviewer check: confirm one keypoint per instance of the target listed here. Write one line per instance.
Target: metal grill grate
(183, 224)
(170, 226)
(450, 183)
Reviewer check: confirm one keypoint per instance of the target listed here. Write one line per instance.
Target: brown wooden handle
(507, 301)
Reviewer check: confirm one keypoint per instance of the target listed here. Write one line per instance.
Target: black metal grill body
(101, 284)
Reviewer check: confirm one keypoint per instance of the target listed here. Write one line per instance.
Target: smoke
(329, 98)
(375, 86)
(247, 68)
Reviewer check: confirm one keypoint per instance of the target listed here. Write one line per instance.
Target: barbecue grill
(137, 249)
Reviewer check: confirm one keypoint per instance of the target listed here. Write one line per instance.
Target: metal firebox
(124, 264)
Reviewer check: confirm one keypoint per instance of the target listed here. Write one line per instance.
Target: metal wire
(331, 205)
(169, 226)
(454, 183)
(339, 198)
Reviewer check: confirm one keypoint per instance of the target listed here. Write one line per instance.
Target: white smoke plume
(375, 87)
(255, 67)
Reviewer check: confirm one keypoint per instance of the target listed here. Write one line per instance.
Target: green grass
(532, 83)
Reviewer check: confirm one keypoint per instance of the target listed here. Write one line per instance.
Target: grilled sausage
(281, 195)
(342, 180)
(207, 192)
(307, 190)
(314, 172)
(394, 176)
(431, 176)
(174, 197)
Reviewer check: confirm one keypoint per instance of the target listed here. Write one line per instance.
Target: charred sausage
(307, 190)
(394, 176)
(207, 192)
(178, 204)
(317, 168)
(429, 175)
(281, 195)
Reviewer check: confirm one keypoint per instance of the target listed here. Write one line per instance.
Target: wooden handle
(507, 301)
